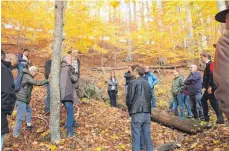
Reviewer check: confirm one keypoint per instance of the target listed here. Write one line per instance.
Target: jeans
(214, 103)
(187, 104)
(113, 98)
(2, 141)
(196, 105)
(179, 101)
(153, 98)
(47, 99)
(141, 122)
(70, 116)
(22, 109)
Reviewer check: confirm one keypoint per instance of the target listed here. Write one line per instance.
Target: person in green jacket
(177, 92)
(23, 98)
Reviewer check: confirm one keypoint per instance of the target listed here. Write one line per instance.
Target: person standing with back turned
(138, 102)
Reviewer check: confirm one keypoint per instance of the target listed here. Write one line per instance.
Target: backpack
(212, 67)
(17, 83)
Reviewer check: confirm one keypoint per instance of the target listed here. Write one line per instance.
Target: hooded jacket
(177, 85)
(27, 83)
(221, 72)
(68, 80)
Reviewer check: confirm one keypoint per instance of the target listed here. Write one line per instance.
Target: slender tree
(55, 71)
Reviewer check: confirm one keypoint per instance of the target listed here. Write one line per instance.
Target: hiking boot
(220, 120)
(16, 136)
(29, 128)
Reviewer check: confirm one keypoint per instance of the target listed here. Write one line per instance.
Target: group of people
(188, 93)
(17, 92)
(140, 83)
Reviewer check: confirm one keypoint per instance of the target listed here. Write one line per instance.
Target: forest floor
(103, 128)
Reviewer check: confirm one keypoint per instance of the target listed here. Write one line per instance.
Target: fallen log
(189, 126)
(125, 67)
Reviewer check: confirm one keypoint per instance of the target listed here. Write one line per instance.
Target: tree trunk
(222, 6)
(185, 125)
(129, 56)
(142, 16)
(190, 42)
(160, 9)
(135, 11)
(55, 71)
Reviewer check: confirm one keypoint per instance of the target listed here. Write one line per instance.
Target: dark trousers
(113, 97)
(214, 103)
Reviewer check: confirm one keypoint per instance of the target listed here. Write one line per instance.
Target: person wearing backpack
(209, 88)
(152, 80)
(23, 98)
(8, 96)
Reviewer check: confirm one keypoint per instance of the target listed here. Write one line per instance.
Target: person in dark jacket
(113, 89)
(47, 73)
(23, 98)
(194, 89)
(3, 55)
(138, 102)
(68, 93)
(209, 88)
(177, 93)
(8, 96)
(128, 76)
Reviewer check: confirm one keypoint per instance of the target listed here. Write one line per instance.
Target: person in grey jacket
(23, 98)
(113, 89)
(68, 91)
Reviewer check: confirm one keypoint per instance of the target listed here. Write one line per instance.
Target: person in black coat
(128, 76)
(8, 96)
(138, 102)
(47, 73)
(209, 88)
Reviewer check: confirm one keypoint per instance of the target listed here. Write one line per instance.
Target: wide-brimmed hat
(221, 16)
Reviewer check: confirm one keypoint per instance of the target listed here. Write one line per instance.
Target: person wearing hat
(209, 88)
(221, 67)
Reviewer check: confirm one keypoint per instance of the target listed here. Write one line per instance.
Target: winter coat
(27, 83)
(193, 83)
(47, 68)
(152, 79)
(8, 96)
(68, 79)
(128, 76)
(208, 78)
(177, 85)
(138, 99)
(114, 84)
(221, 72)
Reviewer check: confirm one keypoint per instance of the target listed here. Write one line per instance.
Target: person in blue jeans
(138, 101)
(177, 92)
(152, 80)
(23, 99)
(68, 91)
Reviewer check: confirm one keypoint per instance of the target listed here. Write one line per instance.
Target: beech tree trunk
(185, 125)
(55, 71)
